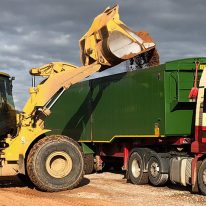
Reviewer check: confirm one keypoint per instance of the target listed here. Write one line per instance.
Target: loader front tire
(55, 163)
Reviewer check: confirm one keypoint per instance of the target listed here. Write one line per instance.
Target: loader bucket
(109, 41)
(121, 46)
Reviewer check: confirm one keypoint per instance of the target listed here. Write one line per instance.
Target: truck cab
(7, 108)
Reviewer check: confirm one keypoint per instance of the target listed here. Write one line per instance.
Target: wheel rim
(154, 169)
(59, 164)
(135, 168)
(204, 177)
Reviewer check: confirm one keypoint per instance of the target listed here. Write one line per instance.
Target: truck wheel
(55, 163)
(155, 176)
(202, 178)
(88, 163)
(135, 169)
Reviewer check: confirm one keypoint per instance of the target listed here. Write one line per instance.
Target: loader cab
(7, 109)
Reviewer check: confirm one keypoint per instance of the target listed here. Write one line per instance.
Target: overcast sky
(36, 32)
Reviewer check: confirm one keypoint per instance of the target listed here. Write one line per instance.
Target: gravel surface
(106, 189)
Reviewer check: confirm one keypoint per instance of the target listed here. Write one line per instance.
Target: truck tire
(88, 164)
(202, 178)
(136, 172)
(55, 163)
(156, 178)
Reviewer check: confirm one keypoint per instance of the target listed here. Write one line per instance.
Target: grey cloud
(33, 33)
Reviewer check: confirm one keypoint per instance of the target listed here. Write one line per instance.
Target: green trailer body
(131, 104)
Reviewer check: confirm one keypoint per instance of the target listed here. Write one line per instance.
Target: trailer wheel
(88, 163)
(136, 169)
(55, 163)
(155, 176)
(202, 178)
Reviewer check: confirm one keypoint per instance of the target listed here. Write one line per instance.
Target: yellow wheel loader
(56, 162)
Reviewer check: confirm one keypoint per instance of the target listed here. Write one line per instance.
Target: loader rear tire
(55, 163)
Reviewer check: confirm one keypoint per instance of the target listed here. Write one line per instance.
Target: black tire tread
(144, 176)
(201, 185)
(160, 181)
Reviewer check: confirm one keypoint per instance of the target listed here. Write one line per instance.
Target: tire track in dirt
(106, 189)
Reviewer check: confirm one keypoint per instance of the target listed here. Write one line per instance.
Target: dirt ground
(106, 189)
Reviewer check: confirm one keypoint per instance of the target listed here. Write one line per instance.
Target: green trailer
(151, 102)
(142, 119)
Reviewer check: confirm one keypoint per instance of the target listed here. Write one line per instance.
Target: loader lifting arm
(107, 43)
(60, 77)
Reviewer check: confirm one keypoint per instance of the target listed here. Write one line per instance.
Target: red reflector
(193, 93)
(204, 139)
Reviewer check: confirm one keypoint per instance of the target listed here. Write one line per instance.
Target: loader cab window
(2, 88)
(6, 90)
(9, 87)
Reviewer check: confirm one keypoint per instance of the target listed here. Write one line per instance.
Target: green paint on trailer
(121, 109)
(71, 114)
(129, 104)
(86, 149)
